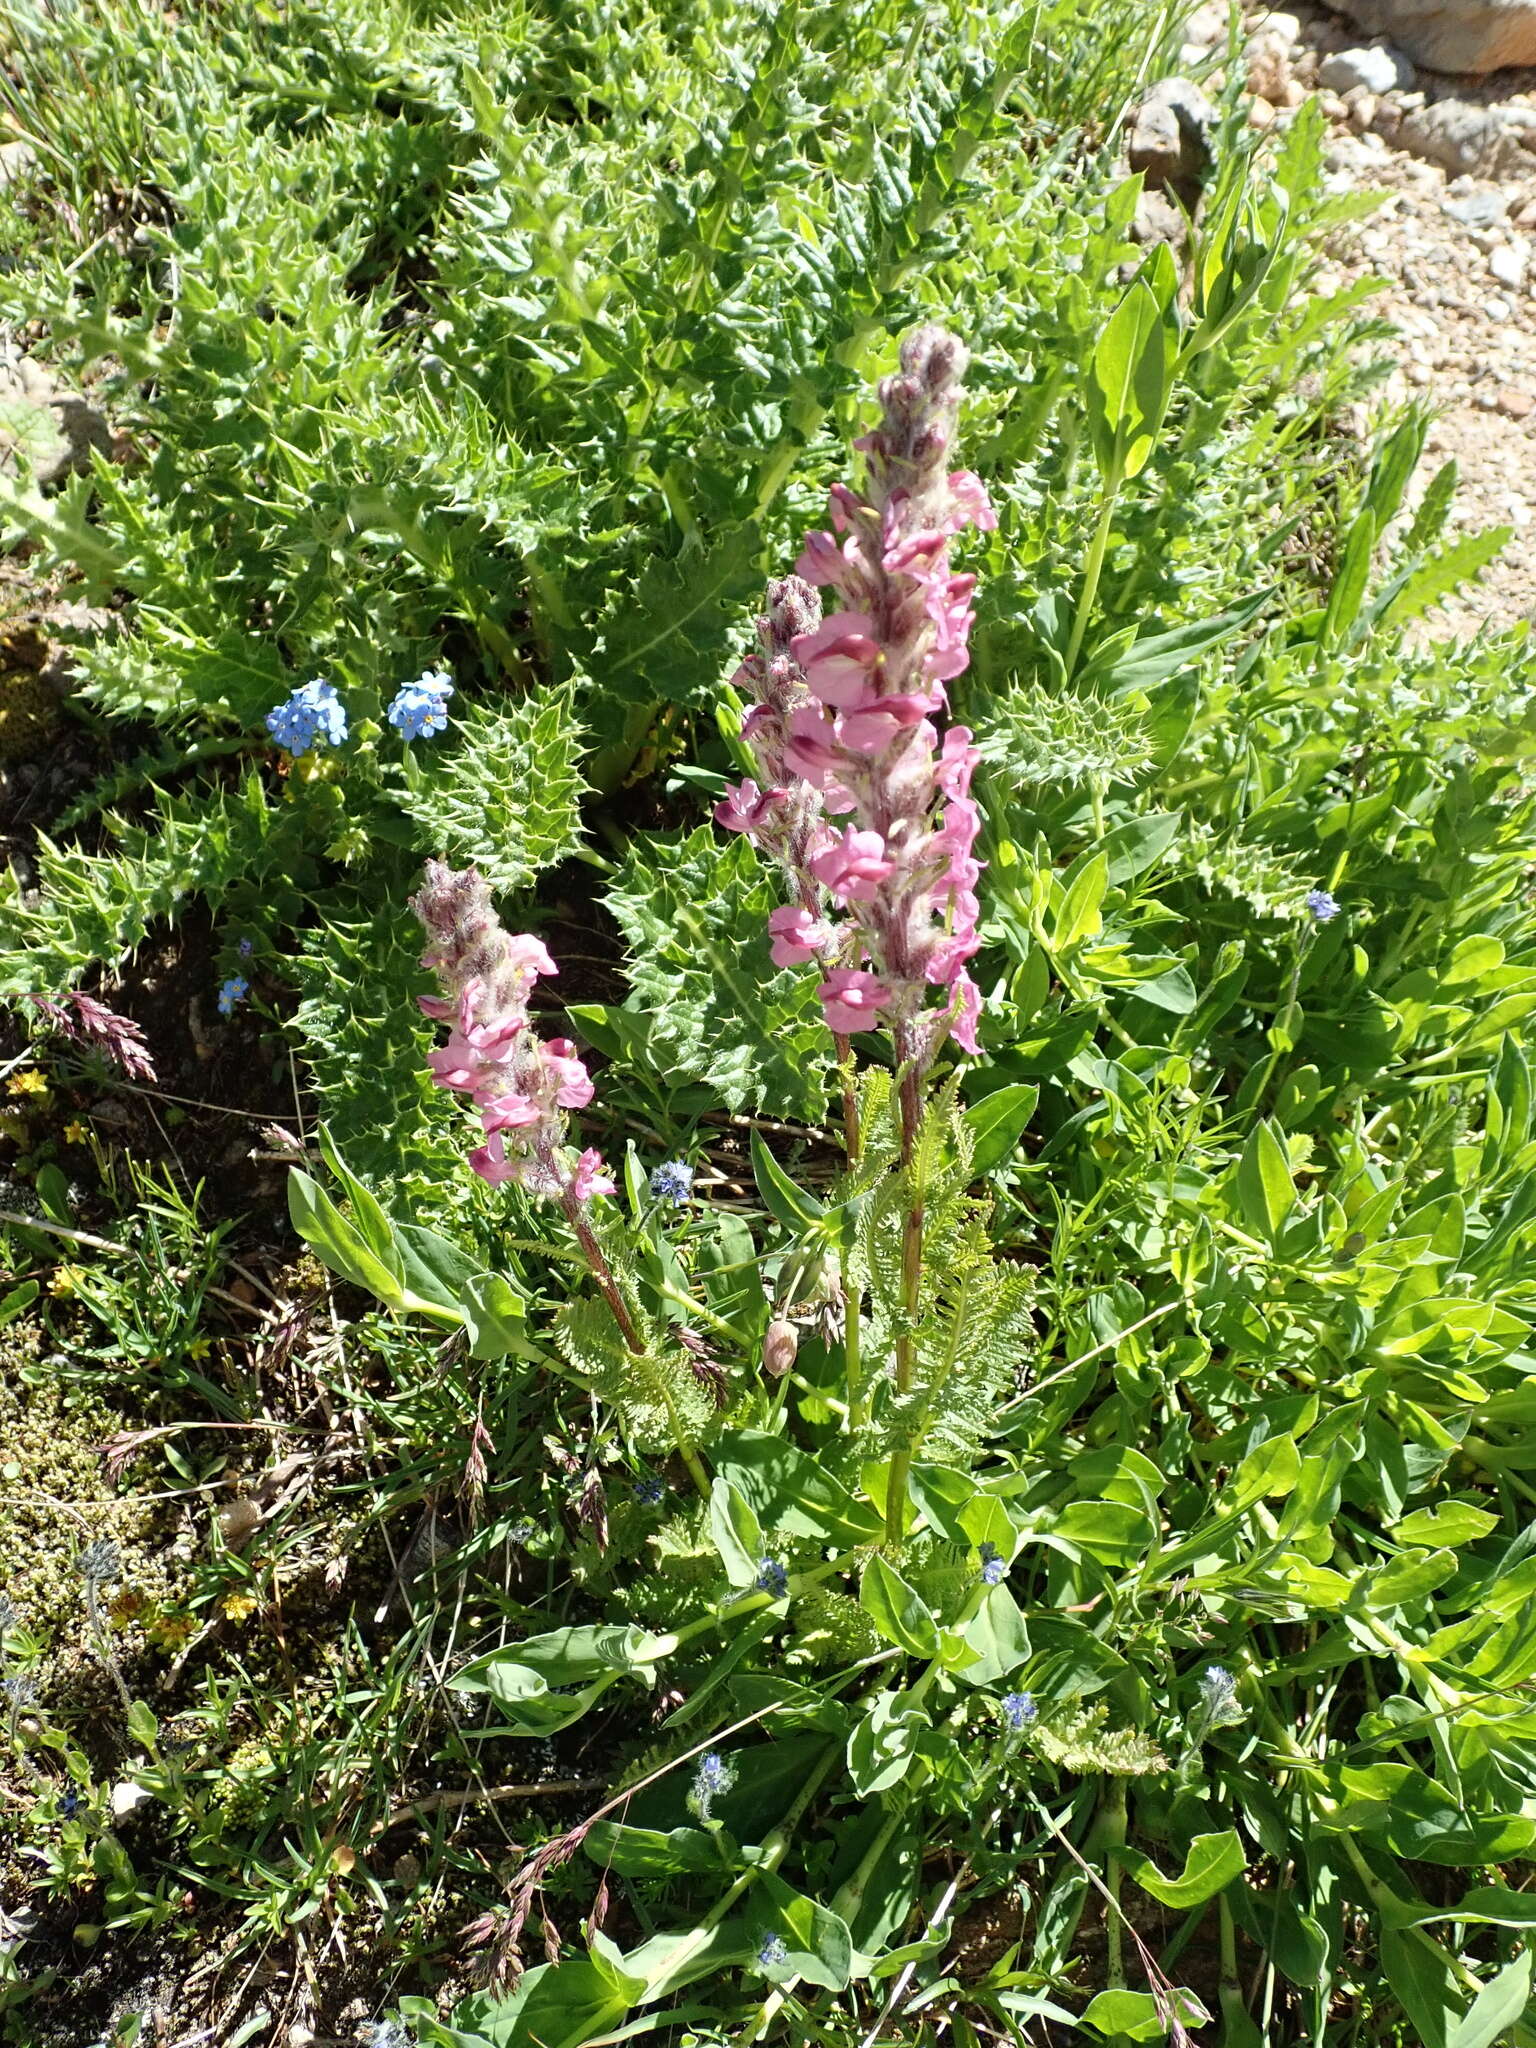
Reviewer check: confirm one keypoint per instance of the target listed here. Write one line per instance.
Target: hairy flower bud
(780, 1345)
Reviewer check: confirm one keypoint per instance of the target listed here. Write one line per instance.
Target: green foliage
(505, 797)
(1171, 1519)
(708, 1005)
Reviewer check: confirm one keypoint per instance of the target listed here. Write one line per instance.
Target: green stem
(911, 1296)
(769, 1857)
(1112, 1831)
(1093, 568)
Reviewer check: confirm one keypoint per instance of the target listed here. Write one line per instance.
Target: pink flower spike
(529, 956)
(575, 1090)
(844, 505)
(843, 672)
(744, 808)
(950, 955)
(851, 999)
(853, 867)
(797, 936)
(589, 1178)
(969, 503)
(490, 1161)
(956, 763)
(811, 750)
(871, 729)
(509, 1113)
(965, 1017)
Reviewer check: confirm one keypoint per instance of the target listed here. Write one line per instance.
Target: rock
(1332, 106)
(1262, 113)
(1170, 138)
(1508, 264)
(1373, 70)
(1461, 137)
(1362, 111)
(51, 427)
(127, 1798)
(1478, 207)
(1206, 25)
(1453, 35)
(1158, 220)
(1269, 66)
(1515, 404)
(1526, 217)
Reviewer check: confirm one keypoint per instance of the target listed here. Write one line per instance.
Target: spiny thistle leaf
(505, 796)
(694, 912)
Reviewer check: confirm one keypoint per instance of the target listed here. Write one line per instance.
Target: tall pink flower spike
(845, 725)
(521, 1084)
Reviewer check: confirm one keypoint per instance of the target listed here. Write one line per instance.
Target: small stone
(1454, 35)
(1169, 140)
(1375, 70)
(1508, 264)
(1332, 106)
(1497, 308)
(1477, 206)
(1262, 113)
(1269, 66)
(1526, 217)
(1362, 111)
(127, 1798)
(1515, 404)
(238, 1521)
(1206, 25)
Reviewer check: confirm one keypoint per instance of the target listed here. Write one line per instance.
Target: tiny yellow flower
(199, 1349)
(63, 1282)
(28, 1082)
(237, 1605)
(75, 1132)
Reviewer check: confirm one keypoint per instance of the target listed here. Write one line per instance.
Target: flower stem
(911, 1292)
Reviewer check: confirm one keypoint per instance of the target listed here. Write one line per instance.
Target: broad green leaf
(322, 1226)
(998, 1121)
(1211, 1864)
(818, 1947)
(1265, 1191)
(735, 1532)
(791, 1204)
(647, 1852)
(789, 1491)
(900, 1614)
(997, 1632)
(1078, 917)
(1136, 2015)
(1127, 385)
(1496, 2008)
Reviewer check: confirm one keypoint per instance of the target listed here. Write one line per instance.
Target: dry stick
(1162, 1986)
(442, 1802)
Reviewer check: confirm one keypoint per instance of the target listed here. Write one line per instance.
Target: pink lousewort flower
(521, 1085)
(844, 725)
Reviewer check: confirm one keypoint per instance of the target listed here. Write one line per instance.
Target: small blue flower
(772, 1577)
(713, 1777)
(650, 1491)
(672, 1182)
(246, 948)
(421, 708)
(1322, 906)
(1219, 1702)
(231, 992)
(771, 1952)
(69, 1805)
(994, 1566)
(1019, 1709)
(310, 716)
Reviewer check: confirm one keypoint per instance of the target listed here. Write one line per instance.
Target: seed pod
(779, 1347)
